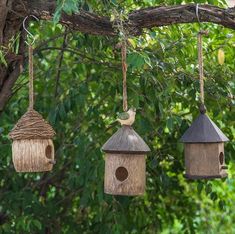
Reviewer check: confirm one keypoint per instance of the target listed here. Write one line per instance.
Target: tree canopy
(78, 89)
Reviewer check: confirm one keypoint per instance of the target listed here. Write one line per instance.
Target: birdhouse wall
(205, 160)
(124, 174)
(33, 155)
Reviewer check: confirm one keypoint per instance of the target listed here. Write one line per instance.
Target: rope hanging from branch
(124, 71)
(31, 96)
(201, 75)
(31, 125)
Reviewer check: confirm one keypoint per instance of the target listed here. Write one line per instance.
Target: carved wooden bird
(127, 118)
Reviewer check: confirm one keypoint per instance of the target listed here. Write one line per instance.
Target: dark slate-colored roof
(203, 130)
(126, 140)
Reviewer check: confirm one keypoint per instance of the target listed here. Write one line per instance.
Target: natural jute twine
(31, 97)
(201, 75)
(124, 71)
(31, 125)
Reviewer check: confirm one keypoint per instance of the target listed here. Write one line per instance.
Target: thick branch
(138, 20)
(12, 13)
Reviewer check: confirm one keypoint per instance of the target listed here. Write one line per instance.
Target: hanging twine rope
(124, 71)
(118, 24)
(31, 125)
(31, 96)
(200, 62)
(201, 75)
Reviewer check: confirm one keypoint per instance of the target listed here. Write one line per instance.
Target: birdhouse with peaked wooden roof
(125, 163)
(204, 149)
(32, 147)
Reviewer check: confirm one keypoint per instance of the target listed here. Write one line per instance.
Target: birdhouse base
(196, 177)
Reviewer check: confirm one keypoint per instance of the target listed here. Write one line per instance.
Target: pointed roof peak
(203, 130)
(126, 140)
(32, 126)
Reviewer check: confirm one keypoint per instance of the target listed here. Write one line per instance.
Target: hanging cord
(30, 56)
(200, 63)
(31, 96)
(124, 71)
(118, 24)
(202, 106)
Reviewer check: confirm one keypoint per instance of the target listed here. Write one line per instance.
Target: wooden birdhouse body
(205, 160)
(32, 147)
(125, 174)
(125, 163)
(204, 150)
(33, 155)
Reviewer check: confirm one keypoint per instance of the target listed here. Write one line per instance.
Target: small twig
(81, 55)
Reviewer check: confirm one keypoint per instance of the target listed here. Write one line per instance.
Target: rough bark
(10, 24)
(144, 18)
(12, 13)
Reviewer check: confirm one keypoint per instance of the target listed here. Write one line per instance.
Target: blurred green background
(80, 98)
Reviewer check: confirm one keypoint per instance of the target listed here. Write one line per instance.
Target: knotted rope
(31, 96)
(201, 75)
(124, 71)
(31, 125)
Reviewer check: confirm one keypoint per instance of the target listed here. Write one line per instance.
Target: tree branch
(91, 23)
(87, 22)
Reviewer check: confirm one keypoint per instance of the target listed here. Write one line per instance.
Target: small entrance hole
(121, 173)
(221, 158)
(48, 152)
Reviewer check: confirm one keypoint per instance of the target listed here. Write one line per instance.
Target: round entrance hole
(221, 158)
(121, 173)
(48, 152)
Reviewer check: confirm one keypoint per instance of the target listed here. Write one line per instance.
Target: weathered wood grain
(126, 140)
(134, 184)
(202, 160)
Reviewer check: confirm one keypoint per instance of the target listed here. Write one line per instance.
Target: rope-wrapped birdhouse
(32, 147)
(125, 151)
(204, 141)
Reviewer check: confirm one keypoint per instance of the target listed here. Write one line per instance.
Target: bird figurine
(127, 118)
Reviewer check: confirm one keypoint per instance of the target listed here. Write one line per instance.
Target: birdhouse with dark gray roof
(125, 163)
(204, 150)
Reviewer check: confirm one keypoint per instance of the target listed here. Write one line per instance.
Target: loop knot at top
(204, 32)
(202, 108)
(32, 126)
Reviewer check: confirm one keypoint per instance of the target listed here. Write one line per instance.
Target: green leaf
(213, 196)
(2, 58)
(199, 187)
(37, 224)
(208, 188)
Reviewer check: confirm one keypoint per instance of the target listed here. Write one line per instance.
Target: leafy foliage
(163, 83)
